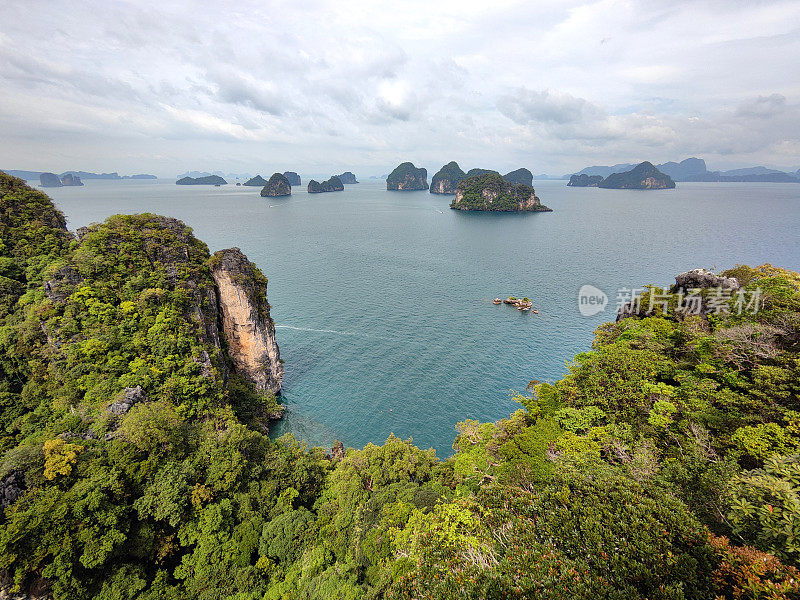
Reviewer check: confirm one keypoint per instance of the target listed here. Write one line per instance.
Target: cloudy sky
(318, 87)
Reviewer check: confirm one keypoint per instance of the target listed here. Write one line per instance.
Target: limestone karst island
(377, 301)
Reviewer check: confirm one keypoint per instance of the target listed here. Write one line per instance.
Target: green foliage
(766, 507)
(603, 485)
(489, 191)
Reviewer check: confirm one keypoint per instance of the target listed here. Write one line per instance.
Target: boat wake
(315, 330)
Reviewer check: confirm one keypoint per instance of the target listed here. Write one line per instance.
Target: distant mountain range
(695, 169)
(34, 175)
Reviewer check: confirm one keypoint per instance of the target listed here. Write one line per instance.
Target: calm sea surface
(383, 300)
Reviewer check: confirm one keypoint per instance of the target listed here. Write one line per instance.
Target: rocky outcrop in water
(257, 181)
(50, 180)
(294, 178)
(209, 180)
(246, 322)
(522, 176)
(277, 186)
(71, 180)
(334, 184)
(447, 178)
(407, 177)
(584, 180)
(347, 178)
(643, 176)
(490, 192)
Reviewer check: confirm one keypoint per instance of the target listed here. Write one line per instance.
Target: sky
(322, 87)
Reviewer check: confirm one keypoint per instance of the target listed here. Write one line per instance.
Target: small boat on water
(534, 311)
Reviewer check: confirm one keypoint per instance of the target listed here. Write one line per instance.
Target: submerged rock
(277, 186)
(490, 192)
(643, 176)
(407, 177)
(257, 181)
(246, 322)
(447, 178)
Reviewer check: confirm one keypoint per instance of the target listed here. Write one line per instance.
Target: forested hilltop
(135, 462)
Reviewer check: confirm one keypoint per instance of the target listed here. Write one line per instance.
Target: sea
(383, 300)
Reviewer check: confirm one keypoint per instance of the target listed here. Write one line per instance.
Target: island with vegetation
(207, 180)
(584, 180)
(522, 175)
(294, 178)
(447, 178)
(277, 186)
(139, 375)
(490, 192)
(644, 176)
(334, 184)
(347, 178)
(407, 177)
(257, 181)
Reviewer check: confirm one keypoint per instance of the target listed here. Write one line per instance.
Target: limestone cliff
(294, 178)
(277, 186)
(490, 192)
(407, 177)
(246, 323)
(447, 178)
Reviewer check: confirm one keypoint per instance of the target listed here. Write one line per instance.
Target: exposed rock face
(257, 181)
(696, 279)
(277, 186)
(584, 180)
(209, 180)
(63, 283)
(447, 178)
(50, 180)
(334, 184)
(12, 486)
(703, 278)
(246, 323)
(347, 178)
(70, 179)
(523, 176)
(490, 192)
(294, 178)
(643, 176)
(126, 400)
(407, 177)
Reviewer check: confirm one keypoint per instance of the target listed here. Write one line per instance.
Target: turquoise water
(382, 300)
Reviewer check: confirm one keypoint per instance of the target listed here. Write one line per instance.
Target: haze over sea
(383, 300)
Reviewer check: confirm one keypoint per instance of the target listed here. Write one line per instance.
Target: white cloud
(554, 86)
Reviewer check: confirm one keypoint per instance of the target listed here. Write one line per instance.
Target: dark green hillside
(134, 460)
